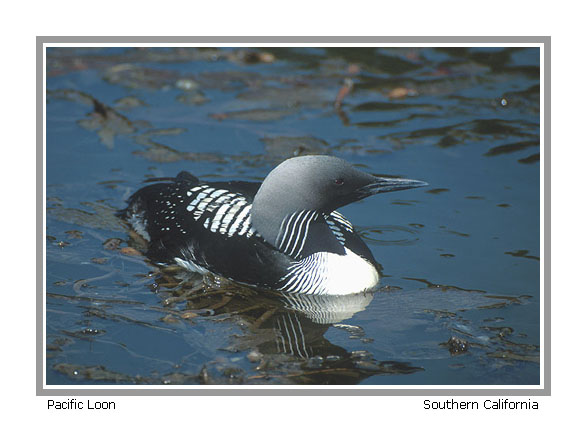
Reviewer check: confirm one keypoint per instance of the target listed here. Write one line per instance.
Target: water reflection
(283, 334)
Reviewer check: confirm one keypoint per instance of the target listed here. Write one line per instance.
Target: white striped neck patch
(293, 232)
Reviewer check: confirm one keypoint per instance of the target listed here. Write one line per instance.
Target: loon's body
(283, 234)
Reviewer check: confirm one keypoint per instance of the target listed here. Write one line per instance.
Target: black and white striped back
(227, 213)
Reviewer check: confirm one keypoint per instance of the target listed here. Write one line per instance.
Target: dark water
(459, 302)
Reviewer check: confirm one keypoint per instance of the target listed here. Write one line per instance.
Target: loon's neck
(296, 233)
(283, 215)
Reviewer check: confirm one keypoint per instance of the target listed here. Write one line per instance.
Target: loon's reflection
(327, 309)
(285, 332)
(300, 325)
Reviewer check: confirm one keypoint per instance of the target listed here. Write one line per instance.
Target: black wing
(205, 225)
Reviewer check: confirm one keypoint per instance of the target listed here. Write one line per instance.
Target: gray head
(317, 183)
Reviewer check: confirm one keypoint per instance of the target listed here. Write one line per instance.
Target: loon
(284, 233)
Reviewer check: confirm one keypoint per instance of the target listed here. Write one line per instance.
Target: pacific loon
(283, 233)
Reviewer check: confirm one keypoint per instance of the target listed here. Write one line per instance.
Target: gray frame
(298, 391)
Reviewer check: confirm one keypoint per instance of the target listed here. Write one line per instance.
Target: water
(459, 301)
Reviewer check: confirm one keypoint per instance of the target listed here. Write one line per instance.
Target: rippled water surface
(459, 301)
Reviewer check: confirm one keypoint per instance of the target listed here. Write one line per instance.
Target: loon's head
(320, 183)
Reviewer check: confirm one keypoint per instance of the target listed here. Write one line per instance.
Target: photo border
(261, 390)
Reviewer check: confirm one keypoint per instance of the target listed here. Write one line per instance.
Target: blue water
(460, 257)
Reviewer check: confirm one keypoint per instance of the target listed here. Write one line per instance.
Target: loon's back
(205, 227)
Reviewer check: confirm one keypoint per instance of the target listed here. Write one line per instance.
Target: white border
(237, 388)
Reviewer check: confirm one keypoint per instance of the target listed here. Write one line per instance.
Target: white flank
(332, 274)
(139, 225)
(191, 266)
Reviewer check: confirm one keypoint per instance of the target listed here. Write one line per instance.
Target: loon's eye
(338, 181)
